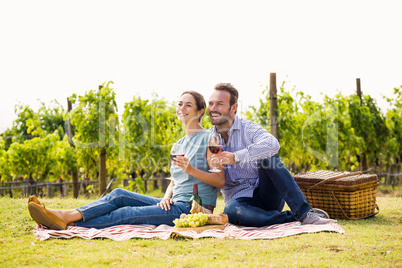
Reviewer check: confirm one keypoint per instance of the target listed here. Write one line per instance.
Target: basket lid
(317, 176)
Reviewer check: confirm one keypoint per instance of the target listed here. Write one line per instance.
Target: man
(257, 184)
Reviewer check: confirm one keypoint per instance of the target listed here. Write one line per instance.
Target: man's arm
(259, 142)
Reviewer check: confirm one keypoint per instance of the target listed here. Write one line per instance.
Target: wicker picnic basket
(343, 195)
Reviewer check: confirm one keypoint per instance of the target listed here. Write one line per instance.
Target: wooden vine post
(70, 134)
(359, 90)
(102, 155)
(273, 107)
(364, 165)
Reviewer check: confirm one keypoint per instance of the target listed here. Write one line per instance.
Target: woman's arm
(216, 179)
(167, 201)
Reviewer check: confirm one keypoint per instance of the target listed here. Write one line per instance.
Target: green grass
(374, 242)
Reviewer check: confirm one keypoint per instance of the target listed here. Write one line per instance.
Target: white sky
(52, 49)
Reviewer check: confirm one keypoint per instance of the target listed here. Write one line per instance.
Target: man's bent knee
(270, 163)
(234, 210)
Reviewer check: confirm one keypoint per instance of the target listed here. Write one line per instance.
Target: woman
(126, 207)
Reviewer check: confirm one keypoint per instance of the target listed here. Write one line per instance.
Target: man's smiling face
(219, 108)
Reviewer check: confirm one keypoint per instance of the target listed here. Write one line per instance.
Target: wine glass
(215, 146)
(176, 150)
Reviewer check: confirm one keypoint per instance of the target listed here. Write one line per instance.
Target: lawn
(374, 242)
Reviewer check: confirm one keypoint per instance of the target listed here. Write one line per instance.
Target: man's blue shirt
(250, 141)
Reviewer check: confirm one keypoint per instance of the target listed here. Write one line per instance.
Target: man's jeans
(126, 207)
(276, 185)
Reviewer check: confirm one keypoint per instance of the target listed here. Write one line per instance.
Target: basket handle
(335, 178)
(349, 218)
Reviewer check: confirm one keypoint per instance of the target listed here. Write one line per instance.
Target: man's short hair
(234, 94)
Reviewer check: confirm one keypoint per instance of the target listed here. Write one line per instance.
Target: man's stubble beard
(220, 124)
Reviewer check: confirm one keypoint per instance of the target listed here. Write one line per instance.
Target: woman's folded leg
(118, 198)
(118, 207)
(152, 215)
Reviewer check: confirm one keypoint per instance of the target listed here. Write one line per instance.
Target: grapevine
(341, 132)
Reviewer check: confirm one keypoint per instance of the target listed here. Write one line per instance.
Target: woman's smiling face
(186, 109)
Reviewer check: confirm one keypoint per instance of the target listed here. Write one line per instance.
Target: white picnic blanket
(125, 232)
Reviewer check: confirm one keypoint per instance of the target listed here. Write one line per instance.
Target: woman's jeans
(276, 185)
(126, 207)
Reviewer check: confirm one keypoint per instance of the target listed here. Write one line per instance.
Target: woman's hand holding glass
(178, 158)
(176, 150)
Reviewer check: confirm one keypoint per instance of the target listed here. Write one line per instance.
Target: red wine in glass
(215, 146)
(176, 150)
(215, 149)
(173, 156)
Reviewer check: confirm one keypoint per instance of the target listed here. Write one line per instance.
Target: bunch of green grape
(191, 220)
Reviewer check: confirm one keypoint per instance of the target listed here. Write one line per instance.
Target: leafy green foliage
(34, 156)
(93, 118)
(19, 131)
(393, 143)
(150, 129)
(46, 121)
(4, 162)
(65, 158)
(334, 133)
(30, 124)
(30, 142)
(96, 125)
(20, 128)
(369, 125)
(331, 134)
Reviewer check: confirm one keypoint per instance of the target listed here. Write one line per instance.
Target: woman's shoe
(33, 198)
(44, 217)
